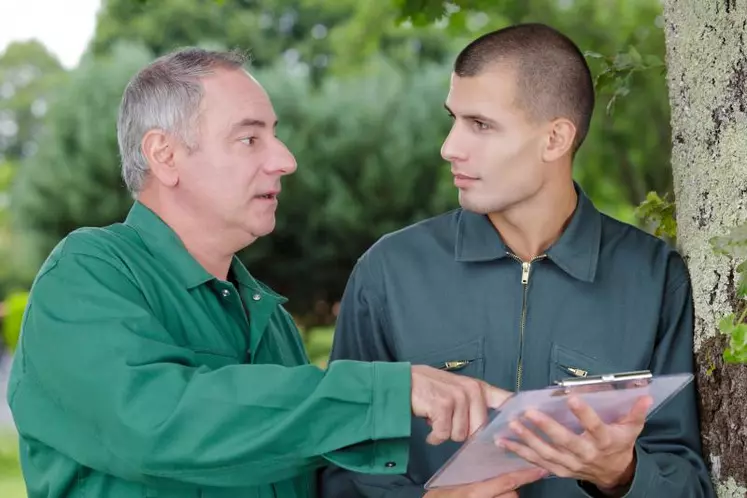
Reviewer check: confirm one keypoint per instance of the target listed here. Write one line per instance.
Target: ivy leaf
(742, 280)
(659, 212)
(733, 244)
(736, 352)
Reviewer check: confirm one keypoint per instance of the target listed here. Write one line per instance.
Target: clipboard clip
(622, 380)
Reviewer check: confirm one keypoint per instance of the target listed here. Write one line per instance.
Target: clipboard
(611, 396)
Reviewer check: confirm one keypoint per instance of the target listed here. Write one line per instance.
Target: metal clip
(455, 365)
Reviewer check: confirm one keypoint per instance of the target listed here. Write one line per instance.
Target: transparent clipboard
(612, 397)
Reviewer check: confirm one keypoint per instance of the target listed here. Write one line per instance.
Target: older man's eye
(248, 140)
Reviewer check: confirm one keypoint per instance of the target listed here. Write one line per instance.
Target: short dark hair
(553, 78)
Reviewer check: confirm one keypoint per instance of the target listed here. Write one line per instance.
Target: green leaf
(736, 352)
(733, 244)
(726, 324)
(659, 212)
(742, 280)
(593, 55)
(635, 56)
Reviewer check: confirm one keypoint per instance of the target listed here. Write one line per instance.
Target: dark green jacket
(606, 297)
(139, 374)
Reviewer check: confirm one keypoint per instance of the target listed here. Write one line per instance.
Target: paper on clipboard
(479, 458)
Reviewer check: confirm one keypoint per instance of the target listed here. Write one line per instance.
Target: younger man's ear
(560, 140)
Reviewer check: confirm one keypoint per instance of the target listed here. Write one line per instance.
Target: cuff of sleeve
(645, 471)
(391, 403)
(392, 417)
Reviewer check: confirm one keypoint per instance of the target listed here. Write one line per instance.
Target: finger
(534, 442)
(590, 421)
(511, 481)
(561, 438)
(494, 397)
(637, 415)
(441, 423)
(531, 456)
(478, 410)
(460, 421)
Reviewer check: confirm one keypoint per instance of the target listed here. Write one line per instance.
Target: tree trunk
(707, 79)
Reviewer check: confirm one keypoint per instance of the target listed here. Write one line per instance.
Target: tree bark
(707, 79)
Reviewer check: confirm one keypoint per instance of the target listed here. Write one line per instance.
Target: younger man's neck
(530, 228)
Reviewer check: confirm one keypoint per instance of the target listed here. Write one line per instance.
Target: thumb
(494, 397)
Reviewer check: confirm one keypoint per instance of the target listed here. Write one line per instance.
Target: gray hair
(165, 95)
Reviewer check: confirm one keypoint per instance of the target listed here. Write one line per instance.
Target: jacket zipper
(526, 266)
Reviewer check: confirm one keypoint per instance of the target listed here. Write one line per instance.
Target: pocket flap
(568, 363)
(467, 356)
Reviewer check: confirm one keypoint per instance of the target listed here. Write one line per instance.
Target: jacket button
(256, 297)
(389, 465)
(225, 292)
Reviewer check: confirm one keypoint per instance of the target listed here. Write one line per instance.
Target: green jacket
(138, 374)
(606, 297)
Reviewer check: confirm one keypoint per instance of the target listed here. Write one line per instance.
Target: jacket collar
(576, 251)
(165, 245)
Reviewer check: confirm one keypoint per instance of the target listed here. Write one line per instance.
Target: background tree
(28, 76)
(305, 34)
(707, 74)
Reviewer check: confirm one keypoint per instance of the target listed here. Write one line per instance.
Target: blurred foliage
(360, 105)
(74, 179)
(14, 307)
(318, 343)
(28, 76)
(307, 35)
(11, 480)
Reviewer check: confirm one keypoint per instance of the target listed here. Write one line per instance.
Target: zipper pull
(525, 273)
(575, 371)
(455, 365)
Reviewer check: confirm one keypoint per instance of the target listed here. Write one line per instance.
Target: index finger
(494, 396)
(589, 419)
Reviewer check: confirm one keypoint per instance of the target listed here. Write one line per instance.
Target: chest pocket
(569, 363)
(463, 359)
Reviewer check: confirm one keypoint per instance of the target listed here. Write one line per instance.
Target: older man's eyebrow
(250, 123)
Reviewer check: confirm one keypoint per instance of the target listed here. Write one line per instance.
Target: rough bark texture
(707, 78)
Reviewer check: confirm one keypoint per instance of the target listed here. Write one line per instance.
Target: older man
(151, 363)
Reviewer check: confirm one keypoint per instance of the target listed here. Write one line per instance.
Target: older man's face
(233, 177)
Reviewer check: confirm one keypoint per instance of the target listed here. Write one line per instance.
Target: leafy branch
(734, 245)
(658, 212)
(617, 72)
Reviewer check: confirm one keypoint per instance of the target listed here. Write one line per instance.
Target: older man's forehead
(239, 100)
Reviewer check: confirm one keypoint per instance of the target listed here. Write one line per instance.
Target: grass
(11, 481)
(318, 344)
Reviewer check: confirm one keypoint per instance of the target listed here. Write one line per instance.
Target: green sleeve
(669, 461)
(129, 401)
(361, 334)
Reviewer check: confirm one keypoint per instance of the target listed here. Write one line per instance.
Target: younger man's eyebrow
(476, 117)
